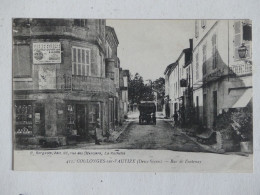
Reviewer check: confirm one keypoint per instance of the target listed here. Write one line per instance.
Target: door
(215, 107)
(39, 119)
(81, 120)
(197, 108)
(93, 117)
(205, 109)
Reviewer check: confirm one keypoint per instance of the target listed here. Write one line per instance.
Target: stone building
(221, 78)
(64, 80)
(178, 82)
(124, 80)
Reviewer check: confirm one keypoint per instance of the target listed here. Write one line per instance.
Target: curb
(115, 138)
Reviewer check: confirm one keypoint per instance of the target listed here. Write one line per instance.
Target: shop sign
(47, 53)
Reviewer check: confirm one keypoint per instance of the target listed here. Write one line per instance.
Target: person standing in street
(175, 117)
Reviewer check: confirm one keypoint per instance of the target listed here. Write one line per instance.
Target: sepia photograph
(170, 91)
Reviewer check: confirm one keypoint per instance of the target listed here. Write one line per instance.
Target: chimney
(191, 44)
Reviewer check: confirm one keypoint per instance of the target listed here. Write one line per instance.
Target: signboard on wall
(47, 53)
(47, 77)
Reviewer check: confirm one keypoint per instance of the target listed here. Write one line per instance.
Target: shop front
(82, 120)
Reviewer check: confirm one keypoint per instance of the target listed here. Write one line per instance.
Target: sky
(149, 46)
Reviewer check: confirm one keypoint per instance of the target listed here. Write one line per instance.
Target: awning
(244, 99)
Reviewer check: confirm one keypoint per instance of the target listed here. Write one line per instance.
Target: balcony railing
(241, 69)
(90, 84)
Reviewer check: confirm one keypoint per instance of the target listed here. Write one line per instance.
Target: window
(214, 51)
(203, 23)
(197, 66)
(80, 22)
(247, 32)
(81, 61)
(23, 117)
(196, 29)
(21, 61)
(242, 34)
(204, 51)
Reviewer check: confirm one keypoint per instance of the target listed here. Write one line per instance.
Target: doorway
(215, 107)
(81, 122)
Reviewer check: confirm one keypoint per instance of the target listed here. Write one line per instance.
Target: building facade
(124, 103)
(178, 82)
(63, 79)
(221, 78)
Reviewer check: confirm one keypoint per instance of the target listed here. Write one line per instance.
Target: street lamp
(242, 51)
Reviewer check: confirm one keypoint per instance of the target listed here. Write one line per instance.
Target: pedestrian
(96, 132)
(175, 117)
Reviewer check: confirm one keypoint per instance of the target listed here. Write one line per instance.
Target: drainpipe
(228, 50)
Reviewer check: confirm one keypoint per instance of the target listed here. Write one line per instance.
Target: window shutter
(22, 66)
(237, 38)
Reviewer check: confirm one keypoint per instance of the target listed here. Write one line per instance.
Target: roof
(170, 67)
(112, 30)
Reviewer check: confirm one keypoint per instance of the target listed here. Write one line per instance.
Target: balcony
(90, 84)
(241, 69)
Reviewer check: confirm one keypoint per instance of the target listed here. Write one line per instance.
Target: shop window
(23, 117)
(21, 61)
(81, 61)
(71, 118)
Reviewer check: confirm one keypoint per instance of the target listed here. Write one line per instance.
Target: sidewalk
(114, 135)
(214, 148)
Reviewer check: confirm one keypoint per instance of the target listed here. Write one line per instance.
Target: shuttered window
(22, 68)
(81, 61)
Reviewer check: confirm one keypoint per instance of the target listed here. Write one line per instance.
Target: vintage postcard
(132, 95)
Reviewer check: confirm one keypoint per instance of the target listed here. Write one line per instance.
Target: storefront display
(23, 117)
(71, 119)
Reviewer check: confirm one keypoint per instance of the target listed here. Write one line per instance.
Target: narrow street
(161, 136)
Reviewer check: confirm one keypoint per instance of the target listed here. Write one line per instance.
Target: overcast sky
(148, 46)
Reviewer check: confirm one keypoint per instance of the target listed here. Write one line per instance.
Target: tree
(159, 86)
(138, 91)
